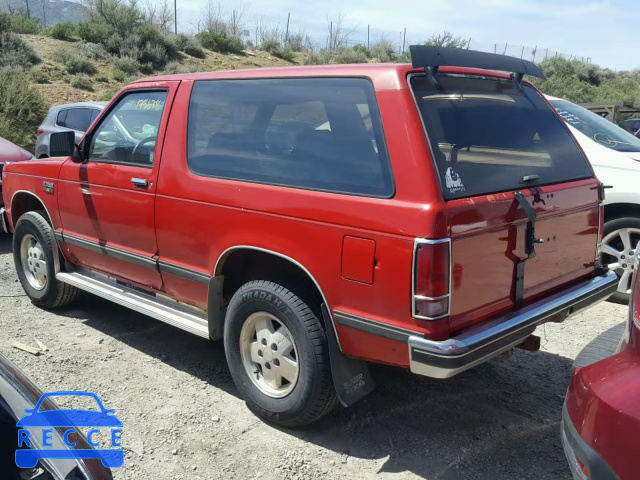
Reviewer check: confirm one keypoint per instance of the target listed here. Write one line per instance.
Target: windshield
(596, 128)
(488, 135)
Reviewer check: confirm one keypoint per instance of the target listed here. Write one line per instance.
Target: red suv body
(434, 251)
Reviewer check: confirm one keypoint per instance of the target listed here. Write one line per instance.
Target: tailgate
(488, 240)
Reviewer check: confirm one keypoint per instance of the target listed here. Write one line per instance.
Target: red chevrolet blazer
(427, 216)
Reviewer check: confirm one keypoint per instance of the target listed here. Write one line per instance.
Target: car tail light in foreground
(39, 132)
(431, 283)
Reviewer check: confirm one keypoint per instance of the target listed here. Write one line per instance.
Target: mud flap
(351, 377)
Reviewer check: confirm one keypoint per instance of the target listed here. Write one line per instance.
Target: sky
(606, 31)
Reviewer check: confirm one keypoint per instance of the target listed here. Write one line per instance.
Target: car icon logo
(63, 423)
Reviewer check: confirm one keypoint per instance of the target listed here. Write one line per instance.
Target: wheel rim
(33, 261)
(620, 255)
(269, 354)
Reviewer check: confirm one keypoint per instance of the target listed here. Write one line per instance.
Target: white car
(615, 156)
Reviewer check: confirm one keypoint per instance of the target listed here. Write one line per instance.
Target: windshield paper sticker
(453, 181)
(53, 433)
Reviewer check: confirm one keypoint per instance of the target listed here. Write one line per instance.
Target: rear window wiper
(529, 178)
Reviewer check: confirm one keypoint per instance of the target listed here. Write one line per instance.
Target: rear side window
(76, 118)
(488, 135)
(312, 133)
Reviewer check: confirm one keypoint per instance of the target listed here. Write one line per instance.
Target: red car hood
(12, 153)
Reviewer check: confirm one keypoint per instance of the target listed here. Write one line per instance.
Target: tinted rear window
(76, 119)
(312, 133)
(488, 136)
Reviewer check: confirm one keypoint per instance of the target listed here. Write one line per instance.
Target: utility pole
(400, 43)
(404, 39)
(175, 16)
(28, 12)
(44, 13)
(331, 35)
(368, 37)
(286, 35)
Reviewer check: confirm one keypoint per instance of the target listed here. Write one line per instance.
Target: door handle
(139, 182)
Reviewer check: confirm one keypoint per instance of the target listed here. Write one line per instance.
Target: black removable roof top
(423, 56)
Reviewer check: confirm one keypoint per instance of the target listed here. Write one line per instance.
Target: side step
(182, 316)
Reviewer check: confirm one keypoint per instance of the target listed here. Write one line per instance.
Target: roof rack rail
(431, 58)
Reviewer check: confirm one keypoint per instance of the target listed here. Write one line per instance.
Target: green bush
(94, 31)
(94, 51)
(107, 96)
(39, 75)
(217, 41)
(118, 75)
(76, 64)
(275, 48)
(15, 52)
(339, 55)
(102, 79)
(190, 46)
(128, 65)
(62, 31)
(5, 22)
(146, 68)
(82, 82)
(361, 48)
(383, 52)
(22, 108)
(22, 24)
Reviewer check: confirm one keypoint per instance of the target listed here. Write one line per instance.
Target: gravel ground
(183, 418)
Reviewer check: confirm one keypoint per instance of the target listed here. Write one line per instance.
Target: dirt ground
(183, 418)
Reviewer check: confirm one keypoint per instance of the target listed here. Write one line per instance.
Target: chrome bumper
(3, 221)
(478, 344)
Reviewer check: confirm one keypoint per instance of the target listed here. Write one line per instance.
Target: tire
(603, 346)
(293, 403)
(33, 229)
(613, 239)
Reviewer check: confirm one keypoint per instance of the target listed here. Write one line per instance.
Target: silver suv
(72, 116)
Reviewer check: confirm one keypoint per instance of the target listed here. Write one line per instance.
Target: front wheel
(33, 255)
(278, 355)
(619, 242)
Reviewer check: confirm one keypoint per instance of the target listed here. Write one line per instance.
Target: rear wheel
(621, 236)
(278, 355)
(33, 255)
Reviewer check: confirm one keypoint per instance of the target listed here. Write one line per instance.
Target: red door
(107, 203)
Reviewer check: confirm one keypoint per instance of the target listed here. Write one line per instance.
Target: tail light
(431, 284)
(39, 132)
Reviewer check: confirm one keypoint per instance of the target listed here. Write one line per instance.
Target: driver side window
(129, 132)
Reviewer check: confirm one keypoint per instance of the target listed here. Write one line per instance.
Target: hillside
(59, 89)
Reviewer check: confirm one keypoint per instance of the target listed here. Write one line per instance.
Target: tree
(339, 31)
(447, 39)
(160, 15)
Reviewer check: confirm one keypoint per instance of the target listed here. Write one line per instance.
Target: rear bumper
(577, 450)
(444, 359)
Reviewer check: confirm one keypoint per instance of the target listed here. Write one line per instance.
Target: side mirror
(62, 144)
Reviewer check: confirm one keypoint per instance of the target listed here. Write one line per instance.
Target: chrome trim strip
(444, 359)
(295, 262)
(373, 327)
(426, 241)
(5, 228)
(169, 312)
(117, 253)
(180, 271)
